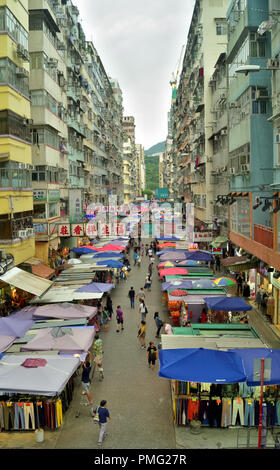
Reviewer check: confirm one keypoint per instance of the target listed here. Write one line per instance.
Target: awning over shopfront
(228, 304)
(27, 282)
(201, 365)
(47, 380)
(64, 294)
(272, 368)
(43, 271)
(238, 263)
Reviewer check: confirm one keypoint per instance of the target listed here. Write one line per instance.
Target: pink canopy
(110, 247)
(172, 271)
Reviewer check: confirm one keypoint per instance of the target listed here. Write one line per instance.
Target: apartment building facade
(191, 117)
(16, 200)
(140, 169)
(77, 123)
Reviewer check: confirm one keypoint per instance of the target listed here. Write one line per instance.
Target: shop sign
(217, 251)
(203, 236)
(192, 246)
(77, 230)
(39, 195)
(91, 230)
(105, 230)
(54, 195)
(119, 228)
(64, 230)
(41, 229)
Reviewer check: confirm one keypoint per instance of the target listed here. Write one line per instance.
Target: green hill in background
(157, 148)
(152, 172)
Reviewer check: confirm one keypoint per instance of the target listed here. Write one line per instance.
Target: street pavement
(139, 400)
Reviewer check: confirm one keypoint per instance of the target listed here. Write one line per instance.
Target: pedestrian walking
(159, 324)
(142, 334)
(119, 317)
(152, 260)
(147, 249)
(150, 269)
(148, 283)
(150, 252)
(131, 295)
(139, 259)
(86, 369)
(109, 306)
(259, 299)
(143, 309)
(98, 355)
(152, 355)
(246, 290)
(142, 249)
(105, 318)
(141, 294)
(103, 414)
(135, 256)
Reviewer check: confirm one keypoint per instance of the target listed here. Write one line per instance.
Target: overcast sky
(139, 43)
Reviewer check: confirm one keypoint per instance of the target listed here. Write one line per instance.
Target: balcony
(263, 235)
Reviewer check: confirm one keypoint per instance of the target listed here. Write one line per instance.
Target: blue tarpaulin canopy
(233, 304)
(199, 255)
(201, 365)
(169, 239)
(111, 263)
(82, 251)
(248, 357)
(108, 254)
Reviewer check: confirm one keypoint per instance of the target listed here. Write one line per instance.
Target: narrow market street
(138, 400)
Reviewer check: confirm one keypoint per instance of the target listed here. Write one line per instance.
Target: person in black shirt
(109, 306)
(86, 366)
(131, 295)
(152, 355)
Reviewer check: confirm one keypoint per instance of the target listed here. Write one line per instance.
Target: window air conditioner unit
(224, 132)
(52, 62)
(22, 165)
(245, 168)
(232, 171)
(30, 231)
(20, 49)
(22, 233)
(273, 64)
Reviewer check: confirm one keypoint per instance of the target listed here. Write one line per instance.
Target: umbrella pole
(261, 403)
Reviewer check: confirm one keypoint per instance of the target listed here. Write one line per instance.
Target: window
(15, 76)
(43, 98)
(12, 124)
(257, 46)
(221, 28)
(53, 210)
(39, 211)
(9, 24)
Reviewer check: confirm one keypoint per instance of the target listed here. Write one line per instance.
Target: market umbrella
(188, 262)
(166, 264)
(74, 261)
(233, 304)
(111, 263)
(108, 254)
(201, 365)
(83, 250)
(172, 271)
(65, 311)
(12, 326)
(111, 247)
(173, 256)
(176, 285)
(96, 287)
(178, 293)
(199, 255)
(225, 281)
(167, 245)
(203, 284)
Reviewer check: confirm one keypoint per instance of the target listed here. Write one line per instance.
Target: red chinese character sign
(91, 230)
(77, 230)
(64, 230)
(105, 230)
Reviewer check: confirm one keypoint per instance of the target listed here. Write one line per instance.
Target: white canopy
(28, 282)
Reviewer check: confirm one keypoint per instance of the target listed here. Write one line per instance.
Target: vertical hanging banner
(75, 206)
